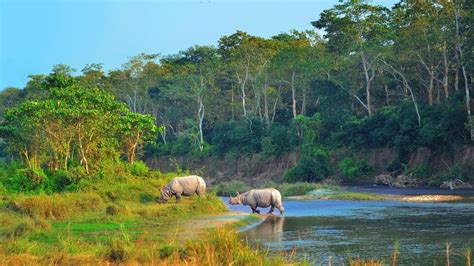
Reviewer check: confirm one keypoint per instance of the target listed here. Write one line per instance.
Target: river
(336, 230)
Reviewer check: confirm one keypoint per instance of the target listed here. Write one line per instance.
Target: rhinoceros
(262, 198)
(183, 186)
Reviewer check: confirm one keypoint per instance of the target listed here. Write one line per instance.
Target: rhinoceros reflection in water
(270, 230)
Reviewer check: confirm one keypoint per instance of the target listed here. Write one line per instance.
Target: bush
(146, 197)
(464, 172)
(420, 171)
(279, 140)
(238, 137)
(296, 189)
(230, 188)
(352, 169)
(119, 250)
(311, 167)
(138, 168)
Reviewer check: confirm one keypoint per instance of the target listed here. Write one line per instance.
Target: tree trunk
(200, 121)
(293, 94)
(430, 90)
(460, 56)
(303, 103)
(456, 80)
(407, 85)
(368, 81)
(83, 154)
(446, 71)
(468, 103)
(265, 106)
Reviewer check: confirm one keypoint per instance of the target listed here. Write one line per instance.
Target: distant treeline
(378, 78)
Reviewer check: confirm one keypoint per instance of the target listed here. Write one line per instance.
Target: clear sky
(35, 35)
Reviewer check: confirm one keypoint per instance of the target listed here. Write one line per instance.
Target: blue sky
(35, 35)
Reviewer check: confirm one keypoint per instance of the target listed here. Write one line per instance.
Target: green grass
(116, 221)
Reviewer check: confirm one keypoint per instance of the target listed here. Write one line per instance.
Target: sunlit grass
(118, 222)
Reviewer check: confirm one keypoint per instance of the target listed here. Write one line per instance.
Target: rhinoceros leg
(178, 197)
(281, 209)
(271, 209)
(254, 209)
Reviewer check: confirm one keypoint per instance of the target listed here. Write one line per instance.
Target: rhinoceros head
(165, 195)
(235, 200)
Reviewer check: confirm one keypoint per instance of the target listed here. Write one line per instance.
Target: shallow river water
(336, 230)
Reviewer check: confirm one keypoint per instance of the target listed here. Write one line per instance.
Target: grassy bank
(117, 220)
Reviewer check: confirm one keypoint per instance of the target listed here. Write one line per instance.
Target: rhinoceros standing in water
(183, 186)
(262, 198)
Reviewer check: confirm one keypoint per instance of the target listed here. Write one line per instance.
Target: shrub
(146, 197)
(352, 169)
(238, 137)
(464, 172)
(296, 189)
(119, 250)
(23, 228)
(279, 140)
(311, 167)
(112, 210)
(138, 168)
(230, 188)
(421, 171)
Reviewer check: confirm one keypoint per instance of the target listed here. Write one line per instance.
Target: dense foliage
(379, 78)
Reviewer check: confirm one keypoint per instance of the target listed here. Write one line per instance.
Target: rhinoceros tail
(201, 189)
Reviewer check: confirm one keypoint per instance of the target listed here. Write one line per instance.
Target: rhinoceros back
(188, 185)
(263, 197)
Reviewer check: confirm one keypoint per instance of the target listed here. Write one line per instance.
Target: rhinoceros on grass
(262, 198)
(183, 186)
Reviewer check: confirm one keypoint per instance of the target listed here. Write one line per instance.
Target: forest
(375, 78)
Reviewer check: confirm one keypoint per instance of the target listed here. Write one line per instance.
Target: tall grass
(57, 206)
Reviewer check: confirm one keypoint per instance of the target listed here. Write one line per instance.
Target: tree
(193, 80)
(302, 60)
(74, 125)
(421, 38)
(131, 83)
(355, 28)
(245, 58)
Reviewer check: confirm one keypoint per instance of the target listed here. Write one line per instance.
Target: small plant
(146, 197)
(296, 189)
(118, 250)
(420, 171)
(138, 168)
(352, 169)
(467, 253)
(395, 253)
(363, 262)
(23, 228)
(230, 188)
(112, 210)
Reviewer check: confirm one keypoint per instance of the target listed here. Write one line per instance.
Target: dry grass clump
(365, 262)
(57, 206)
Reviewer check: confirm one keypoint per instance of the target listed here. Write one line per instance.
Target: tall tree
(356, 28)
